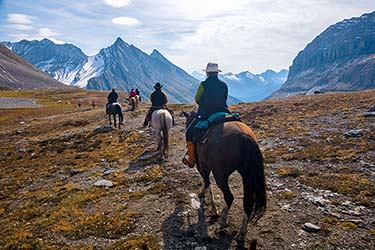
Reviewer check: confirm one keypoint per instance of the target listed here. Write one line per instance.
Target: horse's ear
(185, 114)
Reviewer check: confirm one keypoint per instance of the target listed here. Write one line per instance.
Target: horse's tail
(119, 111)
(164, 128)
(254, 183)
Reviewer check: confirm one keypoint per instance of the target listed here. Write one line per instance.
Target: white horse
(134, 102)
(161, 122)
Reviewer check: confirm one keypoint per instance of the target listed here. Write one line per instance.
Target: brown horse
(229, 147)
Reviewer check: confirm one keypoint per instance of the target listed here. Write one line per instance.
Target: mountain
(199, 76)
(61, 61)
(342, 58)
(17, 73)
(127, 67)
(249, 87)
(121, 66)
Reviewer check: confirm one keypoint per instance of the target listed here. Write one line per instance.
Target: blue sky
(240, 35)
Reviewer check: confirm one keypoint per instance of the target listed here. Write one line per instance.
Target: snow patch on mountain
(92, 68)
(65, 75)
(231, 76)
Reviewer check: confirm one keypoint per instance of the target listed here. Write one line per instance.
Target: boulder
(369, 114)
(104, 183)
(354, 133)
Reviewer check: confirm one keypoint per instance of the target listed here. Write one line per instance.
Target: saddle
(203, 127)
(108, 105)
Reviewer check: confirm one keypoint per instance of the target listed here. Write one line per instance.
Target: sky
(240, 35)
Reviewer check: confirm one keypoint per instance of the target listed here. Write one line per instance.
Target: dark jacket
(112, 97)
(158, 98)
(212, 97)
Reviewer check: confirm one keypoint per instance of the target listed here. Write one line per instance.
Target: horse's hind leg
(206, 189)
(206, 181)
(114, 120)
(109, 118)
(160, 144)
(222, 182)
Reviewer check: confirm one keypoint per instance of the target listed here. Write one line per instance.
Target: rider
(112, 97)
(159, 100)
(132, 93)
(211, 97)
(138, 94)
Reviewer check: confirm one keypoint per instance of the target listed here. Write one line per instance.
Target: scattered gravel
(9, 103)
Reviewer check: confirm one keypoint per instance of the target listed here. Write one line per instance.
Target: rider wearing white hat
(211, 97)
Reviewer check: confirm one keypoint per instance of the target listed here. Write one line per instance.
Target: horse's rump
(233, 146)
(161, 122)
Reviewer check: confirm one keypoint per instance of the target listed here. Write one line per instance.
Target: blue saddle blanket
(204, 124)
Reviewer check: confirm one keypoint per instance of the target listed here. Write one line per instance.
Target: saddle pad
(217, 118)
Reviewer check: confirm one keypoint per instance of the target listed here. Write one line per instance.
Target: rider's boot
(190, 161)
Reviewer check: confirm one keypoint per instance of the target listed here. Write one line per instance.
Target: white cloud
(20, 18)
(195, 9)
(19, 27)
(50, 34)
(42, 33)
(240, 35)
(117, 3)
(264, 35)
(127, 21)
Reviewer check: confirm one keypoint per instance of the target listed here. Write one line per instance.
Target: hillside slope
(51, 158)
(16, 73)
(342, 58)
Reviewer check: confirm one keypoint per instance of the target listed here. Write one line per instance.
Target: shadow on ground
(180, 233)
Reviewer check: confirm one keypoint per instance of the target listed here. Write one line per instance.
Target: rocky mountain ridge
(342, 58)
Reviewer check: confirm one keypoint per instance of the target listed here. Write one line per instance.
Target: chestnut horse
(228, 147)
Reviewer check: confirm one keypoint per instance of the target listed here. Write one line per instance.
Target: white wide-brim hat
(212, 67)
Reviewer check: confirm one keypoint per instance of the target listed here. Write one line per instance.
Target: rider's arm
(199, 94)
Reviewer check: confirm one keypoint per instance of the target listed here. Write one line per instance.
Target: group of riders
(113, 96)
(211, 97)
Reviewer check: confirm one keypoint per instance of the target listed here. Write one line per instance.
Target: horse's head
(189, 116)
